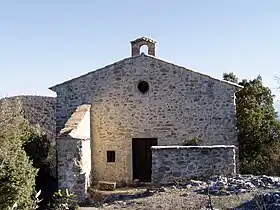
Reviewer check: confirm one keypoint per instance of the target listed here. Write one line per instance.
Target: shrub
(192, 142)
(31, 140)
(17, 176)
(38, 147)
(63, 200)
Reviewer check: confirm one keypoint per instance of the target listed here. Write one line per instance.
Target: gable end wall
(180, 105)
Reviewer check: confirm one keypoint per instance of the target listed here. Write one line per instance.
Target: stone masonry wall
(180, 104)
(172, 163)
(72, 173)
(74, 153)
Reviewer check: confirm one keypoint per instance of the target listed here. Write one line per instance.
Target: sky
(43, 43)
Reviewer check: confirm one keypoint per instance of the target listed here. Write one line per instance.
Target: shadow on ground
(267, 201)
(115, 197)
(123, 197)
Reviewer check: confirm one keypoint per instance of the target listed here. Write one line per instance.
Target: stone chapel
(108, 119)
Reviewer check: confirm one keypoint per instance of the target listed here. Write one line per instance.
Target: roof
(144, 38)
(75, 119)
(152, 57)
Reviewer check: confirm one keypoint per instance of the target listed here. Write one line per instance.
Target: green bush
(17, 176)
(63, 200)
(192, 142)
(24, 142)
(38, 148)
(17, 173)
(258, 127)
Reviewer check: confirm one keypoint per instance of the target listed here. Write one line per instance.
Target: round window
(143, 86)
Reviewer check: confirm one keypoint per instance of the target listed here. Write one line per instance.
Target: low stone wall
(180, 162)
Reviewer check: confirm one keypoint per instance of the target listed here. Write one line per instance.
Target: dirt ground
(172, 198)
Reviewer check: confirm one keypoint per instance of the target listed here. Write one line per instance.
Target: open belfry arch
(108, 119)
(138, 43)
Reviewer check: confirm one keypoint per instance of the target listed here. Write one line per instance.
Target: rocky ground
(240, 193)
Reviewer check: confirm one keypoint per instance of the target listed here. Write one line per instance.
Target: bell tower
(138, 43)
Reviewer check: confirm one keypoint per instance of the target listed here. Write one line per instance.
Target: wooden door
(142, 158)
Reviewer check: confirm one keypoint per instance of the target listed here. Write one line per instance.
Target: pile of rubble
(232, 185)
(267, 201)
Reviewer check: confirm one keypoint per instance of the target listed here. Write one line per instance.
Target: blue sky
(42, 44)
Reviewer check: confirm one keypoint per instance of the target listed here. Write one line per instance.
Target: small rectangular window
(111, 156)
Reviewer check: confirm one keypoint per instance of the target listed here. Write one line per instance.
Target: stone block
(108, 186)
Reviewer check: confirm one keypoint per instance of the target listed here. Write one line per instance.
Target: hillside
(38, 110)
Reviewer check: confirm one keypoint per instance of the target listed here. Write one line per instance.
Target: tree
(231, 77)
(17, 175)
(37, 147)
(258, 127)
(21, 136)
